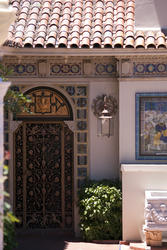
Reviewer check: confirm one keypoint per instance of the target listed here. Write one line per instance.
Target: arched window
(47, 103)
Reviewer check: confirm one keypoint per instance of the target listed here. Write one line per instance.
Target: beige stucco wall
(104, 157)
(127, 91)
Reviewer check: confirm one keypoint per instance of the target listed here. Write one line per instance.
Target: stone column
(3, 88)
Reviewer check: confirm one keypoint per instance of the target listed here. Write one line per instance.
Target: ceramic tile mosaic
(81, 148)
(22, 69)
(105, 69)
(65, 69)
(151, 126)
(82, 172)
(81, 113)
(82, 137)
(150, 69)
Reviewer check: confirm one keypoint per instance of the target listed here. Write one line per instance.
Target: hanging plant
(14, 101)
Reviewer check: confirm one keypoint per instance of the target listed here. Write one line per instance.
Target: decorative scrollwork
(109, 102)
(44, 175)
(47, 102)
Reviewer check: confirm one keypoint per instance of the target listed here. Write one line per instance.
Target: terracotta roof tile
(79, 24)
(129, 42)
(140, 42)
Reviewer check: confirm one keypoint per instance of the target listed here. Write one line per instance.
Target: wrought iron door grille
(44, 175)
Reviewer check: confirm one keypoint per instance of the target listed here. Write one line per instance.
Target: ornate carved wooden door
(44, 175)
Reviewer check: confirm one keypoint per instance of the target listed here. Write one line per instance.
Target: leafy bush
(100, 205)
(9, 228)
(15, 101)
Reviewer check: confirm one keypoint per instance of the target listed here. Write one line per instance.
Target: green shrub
(100, 206)
(9, 220)
(9, 228)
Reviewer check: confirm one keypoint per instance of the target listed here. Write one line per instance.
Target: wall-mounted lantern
(104, 108)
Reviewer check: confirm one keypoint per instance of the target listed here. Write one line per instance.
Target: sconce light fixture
(104, 108)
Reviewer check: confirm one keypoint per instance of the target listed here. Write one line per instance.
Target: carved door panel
(44, 175)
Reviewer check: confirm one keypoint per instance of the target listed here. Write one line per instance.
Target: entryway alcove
(44, 162)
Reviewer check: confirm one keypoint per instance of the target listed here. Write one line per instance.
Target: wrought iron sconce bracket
(105, 108)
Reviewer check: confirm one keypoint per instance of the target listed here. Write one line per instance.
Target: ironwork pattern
(47, 178)
(19, 174)
(47, 102)
(110, 103)
(68, 153)
(79, 95)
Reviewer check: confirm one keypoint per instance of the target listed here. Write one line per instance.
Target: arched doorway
(43, 163)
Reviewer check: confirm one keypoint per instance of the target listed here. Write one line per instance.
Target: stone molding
(143, 168)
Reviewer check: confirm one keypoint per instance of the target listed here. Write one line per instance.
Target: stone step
(139, 246)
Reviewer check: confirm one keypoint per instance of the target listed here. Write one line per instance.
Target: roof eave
(116, 52)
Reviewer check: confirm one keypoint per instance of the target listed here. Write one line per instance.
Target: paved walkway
(52, 241)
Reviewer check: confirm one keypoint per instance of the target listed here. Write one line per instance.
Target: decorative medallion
(56, 68)
(20, 68)
(109, 68)
(65, 69)
(105, 68)
(75, 68)
(161, 67)
(100, 68)
(140, 68)
(150, 68)
(30, 68)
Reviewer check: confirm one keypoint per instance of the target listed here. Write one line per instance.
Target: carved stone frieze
(155, 216)
(155, 212)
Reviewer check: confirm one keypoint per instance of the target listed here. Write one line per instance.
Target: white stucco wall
(127, 91)
(104, 156)
(136, 179)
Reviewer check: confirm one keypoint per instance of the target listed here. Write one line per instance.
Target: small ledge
(143, 168)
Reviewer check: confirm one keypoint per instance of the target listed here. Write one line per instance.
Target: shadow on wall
(161, 7)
